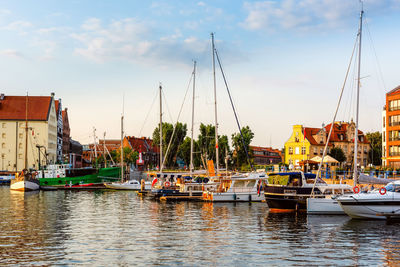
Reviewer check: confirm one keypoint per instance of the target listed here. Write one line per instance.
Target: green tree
(130, 156)
(179, 136)
(338, 154)
(206, 144)
(239, 155)
(375, 154)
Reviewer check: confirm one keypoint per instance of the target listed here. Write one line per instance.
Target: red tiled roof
(309, 135)
(341, 129)
(393, 91)
(14, 108)
(268, 149)
(142, 144)
(56, 103)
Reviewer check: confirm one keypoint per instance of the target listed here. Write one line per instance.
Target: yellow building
(304, 144)
(41, 131)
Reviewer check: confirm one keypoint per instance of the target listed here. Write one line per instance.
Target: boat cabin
(293, 179)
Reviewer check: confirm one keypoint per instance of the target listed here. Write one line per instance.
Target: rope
(148, 113)
(333, 120)
(179, 114)
(166, 104)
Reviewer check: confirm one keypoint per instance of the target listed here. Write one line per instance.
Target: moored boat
(24, 182)
(128, 185)
(377, 204)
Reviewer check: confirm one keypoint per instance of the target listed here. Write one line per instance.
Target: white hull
(327, 206)
(237, 197)
(372, 205)
(128, 186)
(24, 186)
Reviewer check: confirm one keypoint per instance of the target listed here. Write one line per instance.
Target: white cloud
(12, 53)
(306, 14)
(132, 40)
(19, 25)
(201, 3)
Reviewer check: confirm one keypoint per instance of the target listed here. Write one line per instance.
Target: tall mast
(215, 101)
(104, 150)
(161, 135)
(95, 146)
(26, 132)
(355, 178)
(191, 139)
(122, 147)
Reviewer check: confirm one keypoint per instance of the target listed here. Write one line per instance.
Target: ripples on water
(120, 228)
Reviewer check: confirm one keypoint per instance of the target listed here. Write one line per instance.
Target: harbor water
(120, 228)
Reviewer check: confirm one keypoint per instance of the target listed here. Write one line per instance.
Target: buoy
(356, 189)
(382, 191)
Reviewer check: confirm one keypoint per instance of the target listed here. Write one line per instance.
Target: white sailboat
(378, 204)
(25, 181)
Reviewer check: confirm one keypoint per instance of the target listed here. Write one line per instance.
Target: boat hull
(24, 186)
(235, 197)
(371, 205)
(324, 206)
(284, 202)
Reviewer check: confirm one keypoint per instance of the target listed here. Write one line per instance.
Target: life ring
(356, 189)
(382, 191)
(36, 173)
(167, 184)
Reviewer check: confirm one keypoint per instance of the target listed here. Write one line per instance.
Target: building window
(394, 105)
(3, 135)
(384, 121)
(3, 125)
(3, 145)
(303, 150)
(290, 150)
(297, 150)
(20, 145)
(315, 151)
(20, 156)
(20, 135)
(321, 151)
(383, 137)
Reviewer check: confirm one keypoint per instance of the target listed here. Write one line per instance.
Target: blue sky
(285, 61)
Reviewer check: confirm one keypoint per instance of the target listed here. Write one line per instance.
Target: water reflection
(120, 228)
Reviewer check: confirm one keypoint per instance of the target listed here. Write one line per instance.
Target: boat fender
(167, 184)
(382, 191)
(234, 196)
(356, 189)
(249, 197)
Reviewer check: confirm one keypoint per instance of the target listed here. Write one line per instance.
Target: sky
(284, 61)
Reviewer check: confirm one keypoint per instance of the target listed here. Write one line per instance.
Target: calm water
(119, 228)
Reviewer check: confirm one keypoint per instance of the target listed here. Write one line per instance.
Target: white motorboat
(128, 185)
(24, 182)
(326, 203)
(239, 188)
(377, 204)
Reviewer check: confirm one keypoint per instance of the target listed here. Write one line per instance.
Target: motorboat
(24, 181)
(128, 185)
(238, 188)
(380, 203)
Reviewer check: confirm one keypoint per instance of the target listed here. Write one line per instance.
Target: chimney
(52, 94)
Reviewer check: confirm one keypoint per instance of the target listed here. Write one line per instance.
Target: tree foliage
(375, 154)
(239, 156)
(179, 136)
(338, 154)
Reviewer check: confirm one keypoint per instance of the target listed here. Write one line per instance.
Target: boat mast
(191, 139)
(26, 132)
(122, 148)
(104, 150)
(215, 101)
(95, 147)
(161, 135)
(355, 178)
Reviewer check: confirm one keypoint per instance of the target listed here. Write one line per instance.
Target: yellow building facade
(41, 132)
(297, 147)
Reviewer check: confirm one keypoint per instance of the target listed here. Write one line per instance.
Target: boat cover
(366, 179)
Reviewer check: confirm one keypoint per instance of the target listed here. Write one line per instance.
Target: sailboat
(25, 181)
(378, 204)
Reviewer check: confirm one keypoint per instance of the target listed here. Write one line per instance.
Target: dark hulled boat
(288, 191)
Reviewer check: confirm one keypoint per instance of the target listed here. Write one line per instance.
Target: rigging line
(148, 113)
(334, 118)
(179, 114)
(166, 104)
(376, 58)
(233, 107)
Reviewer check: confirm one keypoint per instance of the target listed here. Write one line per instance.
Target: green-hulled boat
(61, 175)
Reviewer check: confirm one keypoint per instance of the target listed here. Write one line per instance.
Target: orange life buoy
(167, 184)
(356, 190)
(382, 191)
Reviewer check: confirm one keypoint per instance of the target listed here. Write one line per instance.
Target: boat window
(238, 184)
(389, 188)
(278, 179)
(251, 183)
(295, 182)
